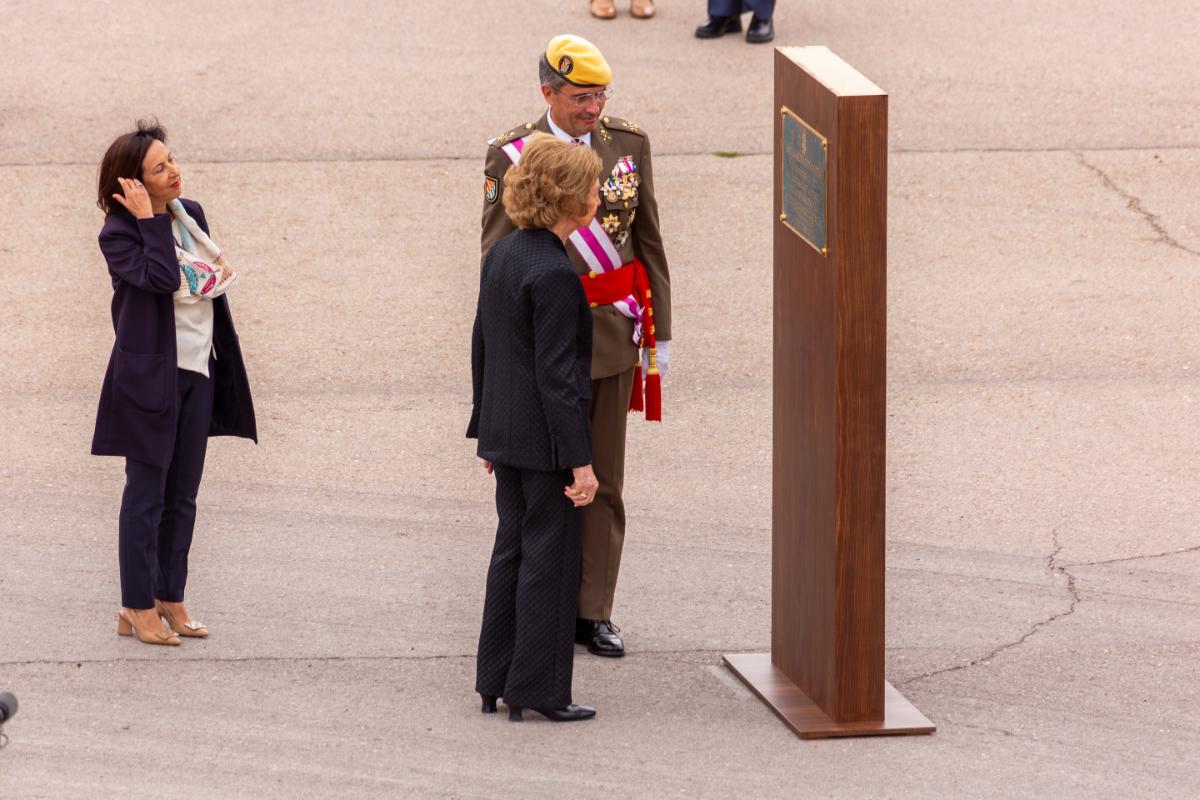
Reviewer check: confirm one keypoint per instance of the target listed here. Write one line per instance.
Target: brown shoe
(191, 629)
(642, 9)
(602, 9)
(127, 625)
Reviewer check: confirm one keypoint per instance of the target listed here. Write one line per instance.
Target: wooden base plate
(804, 717)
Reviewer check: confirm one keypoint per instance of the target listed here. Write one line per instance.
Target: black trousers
(527, 642)
(158, 508)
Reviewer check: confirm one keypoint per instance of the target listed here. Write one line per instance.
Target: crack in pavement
(1134, 204)
(79, 662)
(987, 728)
(1055, 568)
(395, 158)
(1195, 549)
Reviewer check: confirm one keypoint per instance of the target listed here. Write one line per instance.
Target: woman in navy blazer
(160, 400)
(531, 358)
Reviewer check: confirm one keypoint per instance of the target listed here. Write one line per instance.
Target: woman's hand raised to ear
(135, 198)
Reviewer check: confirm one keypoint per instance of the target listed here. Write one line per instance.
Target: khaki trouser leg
(604, 519)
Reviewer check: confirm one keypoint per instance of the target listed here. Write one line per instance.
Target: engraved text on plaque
(803, 180)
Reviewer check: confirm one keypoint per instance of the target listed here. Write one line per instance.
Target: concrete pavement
(1043, 552)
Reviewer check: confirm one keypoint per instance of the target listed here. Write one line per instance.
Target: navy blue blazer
(138, 401)
(531, 356)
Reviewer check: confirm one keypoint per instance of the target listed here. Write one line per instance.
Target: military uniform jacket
(631, 222)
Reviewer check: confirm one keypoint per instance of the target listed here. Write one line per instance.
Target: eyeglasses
(600, 97)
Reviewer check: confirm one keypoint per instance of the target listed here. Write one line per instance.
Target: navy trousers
(527, 641)
(158, 507)
(763, 9)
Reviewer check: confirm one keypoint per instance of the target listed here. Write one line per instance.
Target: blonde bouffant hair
(554, 179)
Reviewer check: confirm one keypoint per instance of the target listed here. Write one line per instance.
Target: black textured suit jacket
(531, 353)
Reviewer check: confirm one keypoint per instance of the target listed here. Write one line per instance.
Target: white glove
(662, 356)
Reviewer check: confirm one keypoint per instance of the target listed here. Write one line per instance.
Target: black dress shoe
(600, 636)
(719, 26)
(760, 30)
(489, 703)
(571, 713)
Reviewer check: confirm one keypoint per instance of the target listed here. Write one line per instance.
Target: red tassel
(654, 398)
(635, 397)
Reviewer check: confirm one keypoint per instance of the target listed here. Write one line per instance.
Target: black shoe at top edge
(719, 26)
(760, 30)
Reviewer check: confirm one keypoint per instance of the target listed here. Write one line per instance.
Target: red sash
(631, 282)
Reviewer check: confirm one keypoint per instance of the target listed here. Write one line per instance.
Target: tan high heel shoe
(126, 626)
(602, 9)
(642, 9)
(192, 630)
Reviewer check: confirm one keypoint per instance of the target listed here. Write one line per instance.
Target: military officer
(623, 268)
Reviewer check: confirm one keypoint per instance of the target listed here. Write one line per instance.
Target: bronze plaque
(803, 180)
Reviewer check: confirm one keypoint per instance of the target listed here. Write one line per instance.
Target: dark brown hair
(123, 159)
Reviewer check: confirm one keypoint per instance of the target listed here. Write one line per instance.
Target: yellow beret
(578, 61)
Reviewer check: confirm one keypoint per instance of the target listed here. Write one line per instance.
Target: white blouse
(193, 322)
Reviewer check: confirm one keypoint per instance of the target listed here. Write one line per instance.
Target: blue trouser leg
(158, 506)
(763, 9)
(182, 485)
(141, 514)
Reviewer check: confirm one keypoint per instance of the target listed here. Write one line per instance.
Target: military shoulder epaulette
(519, 132)
(618, 124)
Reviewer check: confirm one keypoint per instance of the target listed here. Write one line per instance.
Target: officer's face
(575, 108)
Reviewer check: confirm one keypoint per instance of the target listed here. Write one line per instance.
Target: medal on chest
(622, 183)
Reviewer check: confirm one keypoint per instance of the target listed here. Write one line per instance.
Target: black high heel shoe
(571, 713)
(489, 703)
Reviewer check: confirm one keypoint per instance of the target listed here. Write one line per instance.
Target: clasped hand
(582, 492)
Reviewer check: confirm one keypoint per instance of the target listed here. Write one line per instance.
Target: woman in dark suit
(175, 376)
(531, 373)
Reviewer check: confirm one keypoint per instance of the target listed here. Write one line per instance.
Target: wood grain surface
(830, 376)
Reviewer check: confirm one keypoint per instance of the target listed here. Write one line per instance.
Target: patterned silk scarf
(205, 274)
